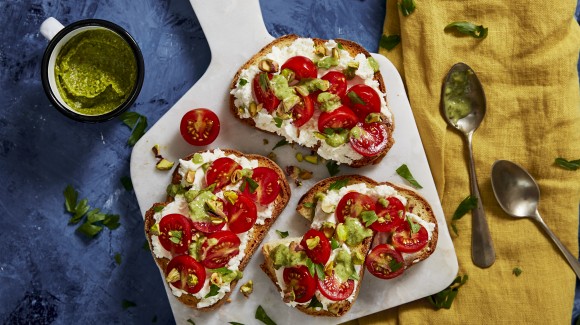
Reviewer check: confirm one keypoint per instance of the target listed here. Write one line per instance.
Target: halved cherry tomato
(405, 241)
(175, 233)
(352, 204)
(242, 214)
(332, 288)
(199, 127)
(268, 187)
(342, 117)
(302, 66)
(189, 270)
(264, 93)
(363, 100)
(220, 172)
(385, 262)
(372, 139)
(390, 217)
(303, 111)
(219, 248)
(337, 81)
(208, 227)
(299, 280)
(321, 252)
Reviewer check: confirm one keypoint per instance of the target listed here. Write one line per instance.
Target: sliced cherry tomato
(199, 127)
(175, 233)
(385, 262)
(299, 280)
(390, 217)
(352, 204)
(405, 241)
(208, 227)
(191, 273)
(302, 66)
(363, 100)
(337, 81)
(268, 186)
(332, 288)
(264, 92)
(371, 140)
(220, 172)
(242, 214)
(303, 111)
(219, 248)
(342, 117)
(321, 252)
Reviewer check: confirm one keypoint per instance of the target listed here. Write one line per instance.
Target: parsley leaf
(415, 227)
(355, 99)
(407, 7)
(137, 123)
(70, 199)
(568, 164)
(369, 217)
(310, 265)
(127, 183)
(81, 208)
(130, 119)
(314, 303)
(468, 204)
(280, 143)
(263, 317)
(445, 298)
(213, 290)
(118, 258)
(319, 270)
(250, 183)
(389, 42)
(332, 167)
(517, 271)
(404, 172)
(468, 28)
(243, 82)
(338, 184)
(334, 244)
(282, 234)
(127, 304)
(278, 121)
(394, 265)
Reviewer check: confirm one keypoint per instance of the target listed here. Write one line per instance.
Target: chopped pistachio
(320, 135)
(350, 71)
(356, 132)
(190, 176)
(289, 295)
(336, 53)
(192, 280)
(268, 65)
(255, 108)
(341, 232)
(231, 196)
(216, 279)
(173, 276)
(305, 174)
(373, 117)
(358, 258)
(313, 159)
(299, 156)
(247, 288)
(155, 150)
(288, 74)
(328, 229)
(197, 158)
(265, 141)
(373, 63)
(311, 243)
(383, 202)
(320, 50)
(239, 174)
(164, 164)
(154, 230)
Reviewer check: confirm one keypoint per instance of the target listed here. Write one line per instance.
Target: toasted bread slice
(240, 101)
(416, 206)
(258, 231)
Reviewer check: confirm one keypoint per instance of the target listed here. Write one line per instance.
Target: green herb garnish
(314, 303)
(175, 236)
(158, 208)
(388, 42)
(517, 271)
(338, 184)
(145, 245)
(369, 217)
(311, 268)
(334, 244)
(468, 28)
(252, 185)
(213, 290)
(278, 121)
(243, 82)
(127, 183)
(415, 227)
(394, 265)
(568, 164)
(404, 172)
(70, 199)
(127, 304)
(332, 167)
(339, 46)
(308, 205)
(264, 82)
(445, 298)
(81, 208)
(319, 271)
(407, 7)
(263, 317)
(94, 221)
(282, 234)
(118, 258)
(191, 321)
(235, 323)
(280, 143)
(137, 123)
(355, 99)
(468, 204)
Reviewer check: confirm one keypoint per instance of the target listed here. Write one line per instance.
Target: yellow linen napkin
(527, 65)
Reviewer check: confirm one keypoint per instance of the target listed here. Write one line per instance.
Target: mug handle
(50, 27)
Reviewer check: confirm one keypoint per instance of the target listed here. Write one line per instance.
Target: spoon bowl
(518, 195)
(463, 107)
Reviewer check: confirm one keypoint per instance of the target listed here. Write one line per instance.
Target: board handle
(229, 24)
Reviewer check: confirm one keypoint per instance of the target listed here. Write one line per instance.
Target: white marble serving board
(235, 31)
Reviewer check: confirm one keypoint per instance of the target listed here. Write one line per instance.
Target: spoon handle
(569, 257)
(482, 251)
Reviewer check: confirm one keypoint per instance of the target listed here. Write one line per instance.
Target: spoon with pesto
(463, 106)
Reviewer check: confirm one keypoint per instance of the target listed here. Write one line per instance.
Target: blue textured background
(49, 273)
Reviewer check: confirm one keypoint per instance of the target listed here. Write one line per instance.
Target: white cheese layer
(243, 96)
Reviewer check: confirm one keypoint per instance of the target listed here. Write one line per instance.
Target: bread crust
(415, 202)
(259, 231)
(350, 46)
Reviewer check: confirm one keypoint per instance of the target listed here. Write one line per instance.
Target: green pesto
(457, 104)
(95, 72)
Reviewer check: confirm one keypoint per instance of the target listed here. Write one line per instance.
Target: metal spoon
(462, 89)
(518, 194)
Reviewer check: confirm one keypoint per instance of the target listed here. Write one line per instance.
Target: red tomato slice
(342, 117)
(264, 93)
(363, 100)
(372, 140)
(175, 233)
(321, 252)
(199, 127)
(332, 288)
(242, 214)
(219, 248)
(299, 280)
(352, 204)
(268, 187)
(302, 66)
(390, 217)
(337, 81)
(187, 267)
(220, 172)
(303, 111)
(385, 262)
(406, 242)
